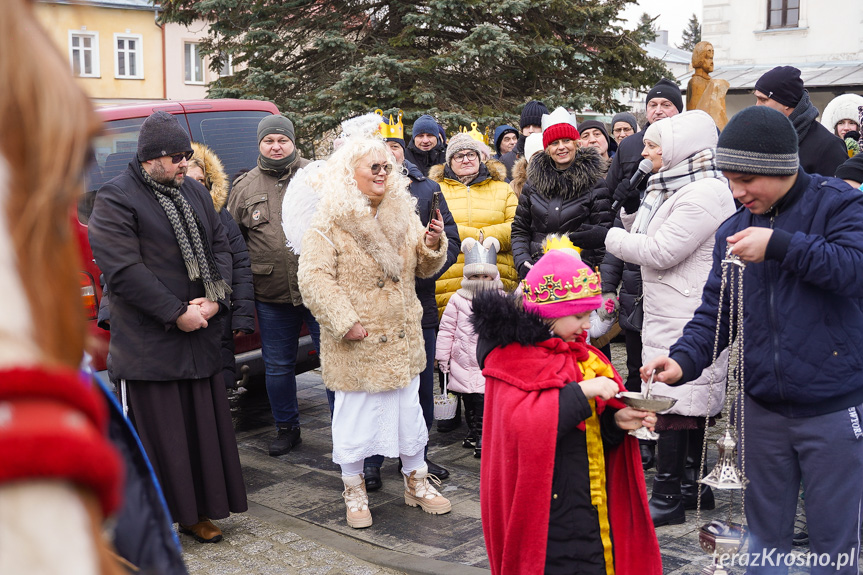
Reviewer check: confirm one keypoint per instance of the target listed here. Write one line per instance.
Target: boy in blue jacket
(802, 238)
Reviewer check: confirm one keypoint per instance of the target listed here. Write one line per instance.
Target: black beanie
(667, 89)
(758, 140)
(851, 169)
(588, 124)
(275, 124)
(783, 84)
(162, 135)
(531, 114)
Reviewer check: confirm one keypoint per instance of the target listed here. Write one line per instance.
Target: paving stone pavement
(296, 521)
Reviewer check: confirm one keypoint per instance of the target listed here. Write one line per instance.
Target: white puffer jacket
(456, 347)
(676, 256)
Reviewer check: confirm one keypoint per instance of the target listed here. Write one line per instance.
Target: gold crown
(476, 134)
(558, 242)
(391, 129)
(583, 284)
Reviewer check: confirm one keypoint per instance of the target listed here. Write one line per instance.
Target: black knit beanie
(758, 140)
(783, 84)
(162, 135)
(667, 89)
(588, 124)
(851, 169)
(399, 141)
(531, 114)
(276, 124)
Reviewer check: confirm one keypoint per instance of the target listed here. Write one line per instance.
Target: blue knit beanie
(425, 124)
(500, 132)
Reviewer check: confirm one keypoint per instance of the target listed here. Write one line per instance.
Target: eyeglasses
(625, 130)
(177, 158)
(376, 168)
(466, 157)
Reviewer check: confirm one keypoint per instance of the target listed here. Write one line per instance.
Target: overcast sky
(673, 15)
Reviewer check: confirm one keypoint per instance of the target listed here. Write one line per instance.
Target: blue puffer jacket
(803, 306)
(423, 190)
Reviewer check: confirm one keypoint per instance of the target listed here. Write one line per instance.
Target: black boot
(478, 407)
(469, 410)
(689, 486)
(648, 453)
(372, 474)
(666, 501)
(447, 425)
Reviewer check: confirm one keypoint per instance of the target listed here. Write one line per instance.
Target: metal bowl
(720, 537)
(655, 404)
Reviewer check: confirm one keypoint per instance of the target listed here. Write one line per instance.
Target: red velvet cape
(519, 441)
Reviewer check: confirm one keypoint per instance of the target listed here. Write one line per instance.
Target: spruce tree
(692, 35)
(323, 61)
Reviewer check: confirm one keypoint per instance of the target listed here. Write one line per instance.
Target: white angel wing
(300, 204)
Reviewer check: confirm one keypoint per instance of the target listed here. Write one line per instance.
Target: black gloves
(589, 236)
(628, 198)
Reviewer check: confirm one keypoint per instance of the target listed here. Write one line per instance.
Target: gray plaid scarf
(191, 238)
(662, 186)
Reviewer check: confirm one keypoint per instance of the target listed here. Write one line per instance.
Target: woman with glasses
(565, 194)
(359, 258)
(481, 202)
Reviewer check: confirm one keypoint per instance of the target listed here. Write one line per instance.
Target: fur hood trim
(578, 179)
(500, 320)
(519, 176)
(496, 170)
(214, 173)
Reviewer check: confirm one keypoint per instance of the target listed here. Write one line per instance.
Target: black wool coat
(135, 247)
(616, 272)
(821, 152)
(425, 160)
(560, 202)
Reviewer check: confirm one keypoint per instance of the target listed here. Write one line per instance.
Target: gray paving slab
(296, 522)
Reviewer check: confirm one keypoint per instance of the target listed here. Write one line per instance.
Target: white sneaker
(420, 491)
(357, 502)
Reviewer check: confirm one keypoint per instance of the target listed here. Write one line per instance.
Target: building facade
(822, 38)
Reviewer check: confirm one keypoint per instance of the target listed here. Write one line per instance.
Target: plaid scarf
(191, 239)
(661, 186)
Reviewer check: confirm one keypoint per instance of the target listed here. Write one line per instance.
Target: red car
(229, 128)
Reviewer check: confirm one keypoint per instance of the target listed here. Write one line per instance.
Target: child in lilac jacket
(456, 340)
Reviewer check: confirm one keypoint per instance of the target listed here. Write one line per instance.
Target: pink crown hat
(560, 284)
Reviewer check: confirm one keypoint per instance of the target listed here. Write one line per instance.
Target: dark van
(229, 128)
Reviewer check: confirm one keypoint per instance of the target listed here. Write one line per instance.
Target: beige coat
(361, 268)
(676, 256)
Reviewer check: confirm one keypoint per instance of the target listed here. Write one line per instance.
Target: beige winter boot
(420, 491)
(357, 502)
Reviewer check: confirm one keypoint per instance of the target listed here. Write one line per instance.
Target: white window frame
(139, 57)
(94, 36)
(229, 64)
(196, 48)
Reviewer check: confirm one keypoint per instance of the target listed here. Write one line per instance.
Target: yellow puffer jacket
(488, 207)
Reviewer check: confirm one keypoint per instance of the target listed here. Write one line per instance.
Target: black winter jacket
(560, 202)
(423, 190)
(425, 160)
(821, 152)
(616, 272)
(135, 247)
(243, 294)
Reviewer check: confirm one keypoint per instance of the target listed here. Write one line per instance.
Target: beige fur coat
(361, 268)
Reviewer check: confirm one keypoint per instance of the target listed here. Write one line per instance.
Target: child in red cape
(561, 483)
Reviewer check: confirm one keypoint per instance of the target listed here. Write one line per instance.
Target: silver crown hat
(480, 258)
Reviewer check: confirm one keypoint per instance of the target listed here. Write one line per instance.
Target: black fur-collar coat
(560, 202)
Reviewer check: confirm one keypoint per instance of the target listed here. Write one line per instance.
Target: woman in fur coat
(565, 194)
(360, 256)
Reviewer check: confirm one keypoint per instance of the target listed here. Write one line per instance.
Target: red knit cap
(558, 131)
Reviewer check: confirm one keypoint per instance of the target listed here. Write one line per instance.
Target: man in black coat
(782, 89)
(167, 263)
(530, 122)
(423, 189)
